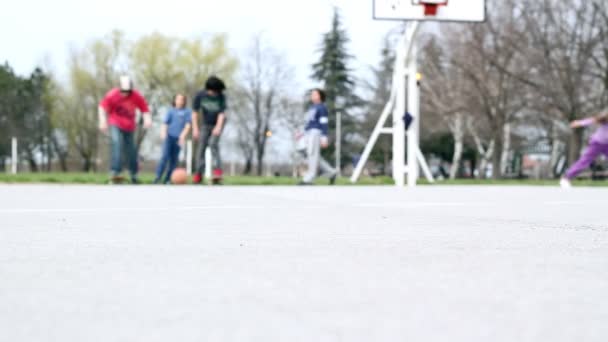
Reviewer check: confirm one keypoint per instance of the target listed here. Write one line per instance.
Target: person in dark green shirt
(210, 109)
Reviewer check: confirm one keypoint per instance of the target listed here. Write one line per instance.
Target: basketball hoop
(432, 6)
(431, 10)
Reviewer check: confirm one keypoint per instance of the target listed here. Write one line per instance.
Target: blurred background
(497, 97)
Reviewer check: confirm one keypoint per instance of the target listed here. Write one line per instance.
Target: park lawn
(147, 178)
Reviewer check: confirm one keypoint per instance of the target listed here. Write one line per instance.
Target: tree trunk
(485, 155)
(248, 166)
(87, 163)
(575, 145)
(506, 147)
(496, 158)
(457, 128)
(260, 159)
(62, 156)
(32, 161)
(458, 146)
(33, 165)
(260, 166)
(49, 154)
(555, 149)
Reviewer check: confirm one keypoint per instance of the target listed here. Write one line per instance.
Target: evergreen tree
(334, 74)
(22, 115)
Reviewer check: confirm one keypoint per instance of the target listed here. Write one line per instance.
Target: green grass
(519, 182)
(147, 178)
(102, 178)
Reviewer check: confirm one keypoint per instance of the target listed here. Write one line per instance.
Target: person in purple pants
(597, 145)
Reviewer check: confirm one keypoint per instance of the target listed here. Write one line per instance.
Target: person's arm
(219, 126)
(221, 118)
(103, 119)
(147, 120)
(184, 134)
(195, 129)
(584, 122)
(164, 128)
(324, 121)
(600, 118)
(102, 113)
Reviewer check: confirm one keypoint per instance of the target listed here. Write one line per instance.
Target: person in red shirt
(117, 116)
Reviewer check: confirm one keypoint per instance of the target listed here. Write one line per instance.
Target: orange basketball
(179, 176)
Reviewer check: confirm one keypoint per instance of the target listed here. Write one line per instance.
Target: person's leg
(214, 144)
(131, 152)
(592, 151)
(604, 148)
(326, 168)
(173, 158)
(162, 164)
(202, 147)
(115, 151)
(314, 153)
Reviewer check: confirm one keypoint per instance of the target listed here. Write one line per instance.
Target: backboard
(435, 10)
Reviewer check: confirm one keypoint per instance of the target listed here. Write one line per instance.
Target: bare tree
(564, 44)
(93, 70)
(492, 66)
(534, 64)
(293, 119)
(445, 94)
(265, 79)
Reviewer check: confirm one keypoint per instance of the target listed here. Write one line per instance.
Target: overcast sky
(32, 31)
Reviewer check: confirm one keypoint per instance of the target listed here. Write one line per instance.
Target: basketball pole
(413, 104)
(404, 97)
(189, 156)
(208, 161)
(339, 143)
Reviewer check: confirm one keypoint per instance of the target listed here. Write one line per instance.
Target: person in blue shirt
(316, 138)
(174, 131)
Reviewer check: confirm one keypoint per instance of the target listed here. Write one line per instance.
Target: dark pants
(170, 157)
(122, 141)
(213, 142)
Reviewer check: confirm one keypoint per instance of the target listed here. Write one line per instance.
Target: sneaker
(197, 178)
(116, 178)
(134, 180)
(218, 173)
(565, 183)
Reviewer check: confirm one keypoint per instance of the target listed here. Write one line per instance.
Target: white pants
(315, 160)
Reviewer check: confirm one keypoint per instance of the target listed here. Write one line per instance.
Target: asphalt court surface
(126, 263)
